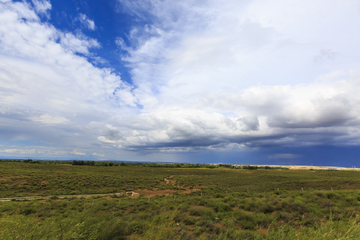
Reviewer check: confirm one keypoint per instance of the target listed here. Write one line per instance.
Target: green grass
(236, 203)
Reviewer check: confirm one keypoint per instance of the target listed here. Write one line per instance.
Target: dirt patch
(262, 231)
(2, 178)
(350, 186)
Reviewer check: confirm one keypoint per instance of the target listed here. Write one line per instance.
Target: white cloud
(45, 83)
(19, 151)
(78, 153)
(86, 21)
(206, 76)
(223, 73)
(49, 119)
(78, 44)
(33, 151)
(42, 7)
(98, 154)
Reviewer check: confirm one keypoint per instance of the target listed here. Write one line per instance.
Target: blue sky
(187, 81)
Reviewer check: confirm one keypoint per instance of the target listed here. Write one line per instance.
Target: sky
(243, 82)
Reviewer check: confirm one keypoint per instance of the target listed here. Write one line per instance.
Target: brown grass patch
(350, 186)
(262, 231)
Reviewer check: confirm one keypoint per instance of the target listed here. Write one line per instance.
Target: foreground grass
(39, 220)
(188, 216)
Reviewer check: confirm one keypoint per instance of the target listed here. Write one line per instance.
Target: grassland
(178, 203)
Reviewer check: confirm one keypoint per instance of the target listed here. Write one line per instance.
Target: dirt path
(58, 196)
(133, 194)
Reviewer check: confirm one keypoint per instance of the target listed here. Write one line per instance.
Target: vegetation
(177, 202)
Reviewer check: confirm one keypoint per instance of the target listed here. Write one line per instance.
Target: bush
(262, 219)
(222, 207)
(266, 208)
(198, 230)
(240, 215)
(189, 221)
(284, 216)
(251, 206)
(219, 195)
(248, 225)
(204, 212)
(27, 211)
(195, 212)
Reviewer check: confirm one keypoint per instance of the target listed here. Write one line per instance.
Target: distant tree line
(157, 165)
(95, 163)
(82, 162)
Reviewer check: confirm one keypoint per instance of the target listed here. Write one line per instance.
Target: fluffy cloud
(286, 115)
(214, 75)
(49, 90)
(205, 76)
(86, 21)
(42, 7)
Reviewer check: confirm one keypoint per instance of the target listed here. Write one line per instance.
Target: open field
(177, 203)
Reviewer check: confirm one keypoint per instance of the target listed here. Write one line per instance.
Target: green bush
(221, 207)
(248, 225)
(189, 221)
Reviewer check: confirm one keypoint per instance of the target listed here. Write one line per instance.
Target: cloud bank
(206, 76)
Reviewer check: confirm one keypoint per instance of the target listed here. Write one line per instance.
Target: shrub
(195, 212)
(241, 215)
(266, 208)
(27, 211)
(189, 221)
(251, 206)
(219, 195)
(198, 230)
(262, 219)
(248, 225)
(284, 216)
(222, 207)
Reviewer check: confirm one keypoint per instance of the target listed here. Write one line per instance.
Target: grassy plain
(228, 204)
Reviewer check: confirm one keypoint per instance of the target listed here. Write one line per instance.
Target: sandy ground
(297, 167)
